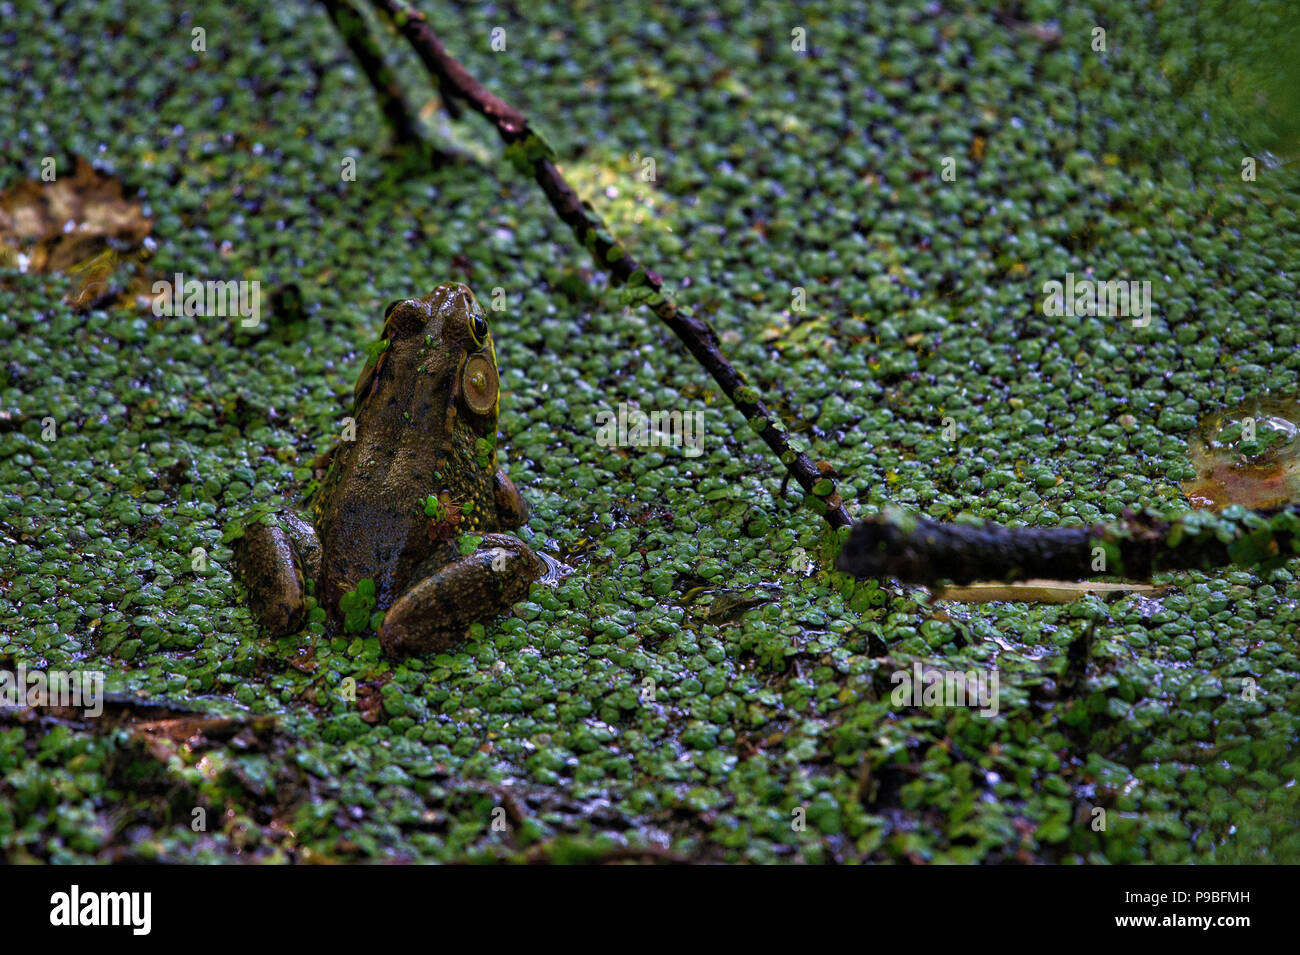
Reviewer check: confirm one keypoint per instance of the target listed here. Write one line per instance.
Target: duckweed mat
(700, 687)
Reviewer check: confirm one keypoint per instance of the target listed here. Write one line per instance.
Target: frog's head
(438, 365)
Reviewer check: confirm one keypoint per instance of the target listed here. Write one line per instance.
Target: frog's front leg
(435, 612)
(512, 509)
(274, 556)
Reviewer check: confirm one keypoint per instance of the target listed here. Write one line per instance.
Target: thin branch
(919, 551)
(532, 155)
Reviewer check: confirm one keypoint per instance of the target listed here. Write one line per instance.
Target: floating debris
(1247, 455)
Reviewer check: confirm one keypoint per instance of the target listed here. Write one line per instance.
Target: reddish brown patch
(448, 526)
(369, 702)
(1243, 483)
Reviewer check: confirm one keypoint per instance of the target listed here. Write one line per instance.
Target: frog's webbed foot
(274, 558)
(512, 509)
(435, 612)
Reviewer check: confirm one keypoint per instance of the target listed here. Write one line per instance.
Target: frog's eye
(479, 384)
(391, 305)
(478, 328)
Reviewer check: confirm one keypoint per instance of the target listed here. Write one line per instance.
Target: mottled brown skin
(421, 413)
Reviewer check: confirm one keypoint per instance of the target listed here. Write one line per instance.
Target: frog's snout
(451, 293)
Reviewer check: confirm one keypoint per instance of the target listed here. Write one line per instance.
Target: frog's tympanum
(396, 502)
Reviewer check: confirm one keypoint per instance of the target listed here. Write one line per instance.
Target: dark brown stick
(920, 551)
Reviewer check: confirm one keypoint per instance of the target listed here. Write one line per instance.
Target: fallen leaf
(82, 224)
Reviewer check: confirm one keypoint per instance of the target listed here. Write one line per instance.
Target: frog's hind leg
(435, 612)
(274, 557)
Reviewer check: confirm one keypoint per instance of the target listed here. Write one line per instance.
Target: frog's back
(373, 524)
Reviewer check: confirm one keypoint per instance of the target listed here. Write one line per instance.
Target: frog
(413, 484)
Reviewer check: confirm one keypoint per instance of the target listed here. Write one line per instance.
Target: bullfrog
(420, 472)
